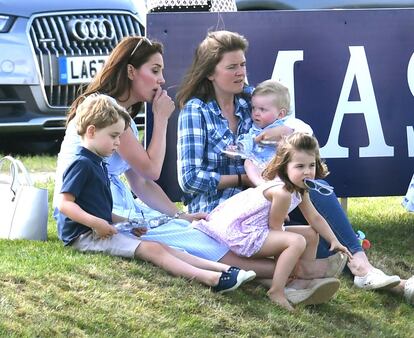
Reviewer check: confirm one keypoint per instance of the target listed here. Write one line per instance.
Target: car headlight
(5, 23)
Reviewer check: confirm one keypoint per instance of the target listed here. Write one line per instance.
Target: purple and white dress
(242, 221)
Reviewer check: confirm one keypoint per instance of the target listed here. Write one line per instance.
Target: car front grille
(53, 36)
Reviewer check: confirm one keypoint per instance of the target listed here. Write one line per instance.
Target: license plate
(79, 69)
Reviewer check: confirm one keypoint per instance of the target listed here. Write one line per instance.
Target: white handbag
(23, 207)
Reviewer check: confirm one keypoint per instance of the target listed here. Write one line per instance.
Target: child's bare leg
(309, 267)
(197, 261)
(312, 240)
(265, 267)
(157, 254)
(288, 247)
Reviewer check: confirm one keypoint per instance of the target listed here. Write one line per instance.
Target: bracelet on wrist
(178, 214)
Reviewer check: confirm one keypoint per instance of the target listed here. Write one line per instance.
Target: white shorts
(120, 244)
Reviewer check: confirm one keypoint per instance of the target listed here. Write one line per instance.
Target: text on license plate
(79, 69)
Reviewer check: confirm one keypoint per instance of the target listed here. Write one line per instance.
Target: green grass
(47, 290)
(35, 163)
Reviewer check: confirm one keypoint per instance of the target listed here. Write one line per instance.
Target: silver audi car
(48, 51)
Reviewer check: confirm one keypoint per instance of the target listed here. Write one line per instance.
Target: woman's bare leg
(264, 267)
(359, 264)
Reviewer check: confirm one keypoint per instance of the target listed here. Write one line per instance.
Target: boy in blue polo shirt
(86, 219)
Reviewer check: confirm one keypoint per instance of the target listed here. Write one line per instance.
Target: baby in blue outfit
(270, 108)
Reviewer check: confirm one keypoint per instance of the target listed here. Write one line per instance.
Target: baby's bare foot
(280, 300)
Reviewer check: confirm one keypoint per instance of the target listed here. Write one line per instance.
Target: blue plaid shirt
(203, 133)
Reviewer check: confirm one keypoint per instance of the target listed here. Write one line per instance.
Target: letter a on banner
(283, 72)
(358, 69)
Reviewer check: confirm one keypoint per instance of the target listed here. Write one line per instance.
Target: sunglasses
(139, 43)
(321, 188)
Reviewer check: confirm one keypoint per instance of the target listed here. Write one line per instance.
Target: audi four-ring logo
(92, 29)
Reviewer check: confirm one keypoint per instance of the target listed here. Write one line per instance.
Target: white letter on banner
(283, 71)
(358, 69)
(410, 141)
(410, 131)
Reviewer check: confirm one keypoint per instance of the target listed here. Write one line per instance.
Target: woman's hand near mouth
(162, 104)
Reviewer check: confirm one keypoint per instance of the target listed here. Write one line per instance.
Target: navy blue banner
(350, 74)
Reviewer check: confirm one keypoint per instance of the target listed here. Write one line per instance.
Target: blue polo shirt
(86, 179)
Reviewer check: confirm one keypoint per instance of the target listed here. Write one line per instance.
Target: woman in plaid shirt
(215, 109)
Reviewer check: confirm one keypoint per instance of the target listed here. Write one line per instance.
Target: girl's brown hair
(207, 55)
(291, 143)
(113, 78)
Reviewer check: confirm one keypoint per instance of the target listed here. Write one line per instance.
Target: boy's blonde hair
(281, 93)
(100, 111)
(291, 143)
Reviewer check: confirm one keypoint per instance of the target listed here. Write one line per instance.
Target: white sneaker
(409, 290)
(246, 276)
(376, 279)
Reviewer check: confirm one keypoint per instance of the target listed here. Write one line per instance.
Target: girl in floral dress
(251, 222)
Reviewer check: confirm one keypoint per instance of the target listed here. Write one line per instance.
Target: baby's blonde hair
(100, 111)
(281, 96)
